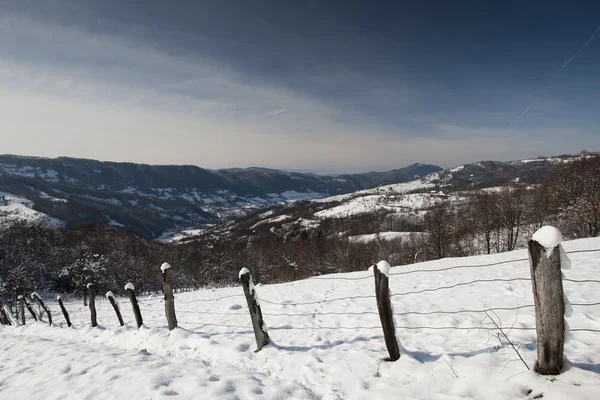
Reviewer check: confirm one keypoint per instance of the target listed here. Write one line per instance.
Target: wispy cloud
(274, 112)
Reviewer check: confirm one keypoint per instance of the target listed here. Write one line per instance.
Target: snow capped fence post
(134, 304)
(28, 305)
(546, 280)
(258, 324)
(35, 296)
(92, 304)
(64, 310)
(167, 275)
(22, 309)
(386, 311)
(111, 297)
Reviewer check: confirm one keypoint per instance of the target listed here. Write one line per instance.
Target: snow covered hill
(327, 340)
(17, 208)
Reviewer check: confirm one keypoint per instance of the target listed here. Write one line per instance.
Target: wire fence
(481, 312)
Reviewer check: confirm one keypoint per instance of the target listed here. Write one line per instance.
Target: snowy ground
(326, 341)
(17, 208)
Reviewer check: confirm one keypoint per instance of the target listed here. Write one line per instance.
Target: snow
(18, 208)
(243, 271)
(326, 341)
(165, 267)
(388, 201)
(273, 220)
(384, 267)
(110, 294)
(370, 237)
(548, 236)
(129, 286)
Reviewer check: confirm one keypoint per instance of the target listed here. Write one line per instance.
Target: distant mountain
(151, 199)
(384, 205)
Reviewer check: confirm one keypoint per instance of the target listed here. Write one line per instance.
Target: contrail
(559, 71)
(580, 50)
(524, 112)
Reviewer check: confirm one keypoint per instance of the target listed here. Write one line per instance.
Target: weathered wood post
(113, 302)
(3, 317)
(134, 304)
(30, 309)
(258, 324)
(548, 296)
(85, 296)
(10, 317)
(167, 275)
(385, 308)
(92, 304)
(22, 309)
(35, 296)
(64, 310)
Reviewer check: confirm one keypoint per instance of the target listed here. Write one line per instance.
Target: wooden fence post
(30, 309)
(35, 296)
(92, 304)
(3, 317)
(167, 275)
(9, 315)
(134, 304)
(85, 296)
(546, 280)
(258, 324)
(386, 311)
(111, 297)
(22, 309)
(64, 310)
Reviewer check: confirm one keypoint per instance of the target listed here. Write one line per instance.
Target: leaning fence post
(9, 315)
(258, 324)
(167, 275)
(3, 317)
(546, 280)
(64, 310)
(30, 309)
(385, 308)
(92, 304)
(35, 296)
(22, 309)
(134, 304)
(111, 297)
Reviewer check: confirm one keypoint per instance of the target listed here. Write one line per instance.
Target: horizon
(443, 168)
(322, 87)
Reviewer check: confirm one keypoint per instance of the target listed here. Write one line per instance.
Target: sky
(327, 86)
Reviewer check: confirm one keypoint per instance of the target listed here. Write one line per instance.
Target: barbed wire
(261, 300)
(447, 268)
(206, 300)
(460, 284)
(581, 280)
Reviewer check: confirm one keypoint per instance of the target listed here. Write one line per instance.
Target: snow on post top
(20, 297)
(548, 236)
(110, 294)
(35, 294)
(88, 285)
(165, 267)
(384, 267)
(243, 271)
(129, 286)
(58, 297)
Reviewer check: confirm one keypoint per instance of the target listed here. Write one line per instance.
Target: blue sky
(330, 86)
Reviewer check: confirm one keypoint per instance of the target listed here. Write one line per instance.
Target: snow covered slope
(17, 208)
(326, 343)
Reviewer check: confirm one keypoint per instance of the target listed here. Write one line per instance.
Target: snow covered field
(327, 342)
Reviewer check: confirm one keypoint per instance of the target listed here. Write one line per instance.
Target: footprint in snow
(235, 307)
